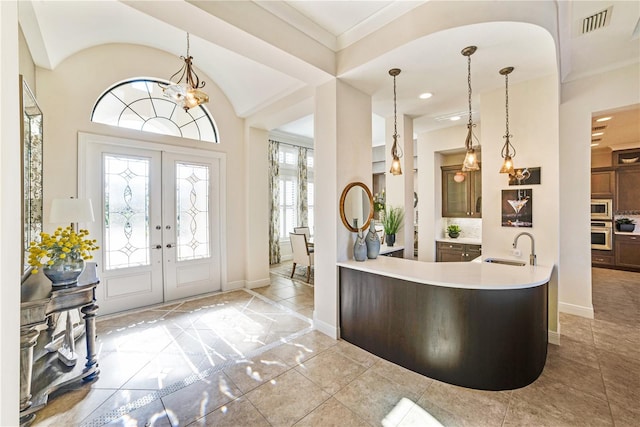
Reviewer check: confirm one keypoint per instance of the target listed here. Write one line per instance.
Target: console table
(41, 373)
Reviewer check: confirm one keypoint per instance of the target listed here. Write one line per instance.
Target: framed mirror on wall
(356, 206)
(32, 184)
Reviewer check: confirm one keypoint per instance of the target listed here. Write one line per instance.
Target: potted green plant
(453, 230)
(392, 221)
(625, 224)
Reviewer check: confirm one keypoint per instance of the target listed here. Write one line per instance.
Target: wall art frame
(517, 208)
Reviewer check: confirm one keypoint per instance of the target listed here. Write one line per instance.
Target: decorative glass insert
(126, 217)
(140, 104)
(192, 211)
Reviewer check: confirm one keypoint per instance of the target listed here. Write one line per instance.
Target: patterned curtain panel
(303, 206)
(274, 224)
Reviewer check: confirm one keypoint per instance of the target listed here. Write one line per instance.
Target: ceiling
(616, 129)
(268, 56)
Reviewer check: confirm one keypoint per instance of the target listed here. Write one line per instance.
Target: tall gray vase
(373, 242)
(360, 247)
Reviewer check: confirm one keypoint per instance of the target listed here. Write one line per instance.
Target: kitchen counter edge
(463, 275)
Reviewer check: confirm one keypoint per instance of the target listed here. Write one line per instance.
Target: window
(140, 104)
(288, 188)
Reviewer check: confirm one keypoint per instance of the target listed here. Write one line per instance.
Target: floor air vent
(596, 21)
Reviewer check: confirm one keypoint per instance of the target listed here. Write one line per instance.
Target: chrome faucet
(532, 256)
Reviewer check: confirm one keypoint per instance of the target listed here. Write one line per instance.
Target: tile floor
(251, 359)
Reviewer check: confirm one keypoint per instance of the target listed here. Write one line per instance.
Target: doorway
(157, 215)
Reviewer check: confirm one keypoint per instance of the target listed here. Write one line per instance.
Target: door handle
(157, 247)
(169, 245)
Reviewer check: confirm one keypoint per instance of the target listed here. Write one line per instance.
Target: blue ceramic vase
(373, 242)
(360, 247)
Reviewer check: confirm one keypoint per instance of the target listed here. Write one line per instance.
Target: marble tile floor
(250, 358)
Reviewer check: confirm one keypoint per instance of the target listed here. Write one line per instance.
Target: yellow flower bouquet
(61, 255)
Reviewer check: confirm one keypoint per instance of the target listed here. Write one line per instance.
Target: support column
(399, 188)
(257, 244)
(342, 155)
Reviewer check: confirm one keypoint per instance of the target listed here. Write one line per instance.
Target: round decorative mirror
(356, 206)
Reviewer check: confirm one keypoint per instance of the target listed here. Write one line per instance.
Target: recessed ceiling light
(454, 118)
(595, 144)
(603, 119)
(597, 134)
(425, 95)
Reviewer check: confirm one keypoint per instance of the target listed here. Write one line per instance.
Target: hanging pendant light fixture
(470, 159)
(395, 157)
(508, 150)
(187, 94)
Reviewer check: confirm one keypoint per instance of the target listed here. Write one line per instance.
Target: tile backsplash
(470, 227)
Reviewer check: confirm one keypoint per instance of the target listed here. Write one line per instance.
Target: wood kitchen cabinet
(627, 251)
(602, 258)
(628, 188)
(461, 199)
(456, 252)
(602, 184)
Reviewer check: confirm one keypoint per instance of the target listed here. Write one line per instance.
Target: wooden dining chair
(301, 254)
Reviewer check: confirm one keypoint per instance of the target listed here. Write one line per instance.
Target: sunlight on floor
(408, 414)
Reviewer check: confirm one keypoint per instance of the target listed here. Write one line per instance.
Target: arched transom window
(140, 104)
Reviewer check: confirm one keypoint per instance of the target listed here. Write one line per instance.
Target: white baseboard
(576, 310)
(232, 286)
(553, 337)
(325, 328)
(252, 284)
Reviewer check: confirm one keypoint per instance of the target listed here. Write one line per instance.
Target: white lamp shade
(71, 210)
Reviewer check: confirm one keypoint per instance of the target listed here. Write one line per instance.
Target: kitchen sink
(505, 262)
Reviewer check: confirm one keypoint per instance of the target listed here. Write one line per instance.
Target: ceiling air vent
(597, 128)
(596, 139)
(596, 21)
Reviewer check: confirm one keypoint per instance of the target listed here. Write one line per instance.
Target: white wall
(10, 218)
(581, 98)
(67, 95)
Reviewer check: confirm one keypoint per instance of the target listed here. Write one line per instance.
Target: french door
(158, 218)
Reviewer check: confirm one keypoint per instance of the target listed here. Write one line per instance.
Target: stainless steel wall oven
(601, 232)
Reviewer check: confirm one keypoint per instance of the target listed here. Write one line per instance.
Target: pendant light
(187, 94)
(395, 157)
(508, 150)
(470, 159)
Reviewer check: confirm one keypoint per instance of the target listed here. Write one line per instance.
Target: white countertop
(464, 275)
(384, 249)
(461, 240)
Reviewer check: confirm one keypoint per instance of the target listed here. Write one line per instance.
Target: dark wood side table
(44, 373)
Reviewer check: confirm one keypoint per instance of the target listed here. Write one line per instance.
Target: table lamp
(71, 211)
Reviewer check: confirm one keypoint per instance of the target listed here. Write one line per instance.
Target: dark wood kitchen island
(476, 325)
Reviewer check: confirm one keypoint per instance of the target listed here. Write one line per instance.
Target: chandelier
(508, 150)
(470, 159)
(395, 161)
(187, 94)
